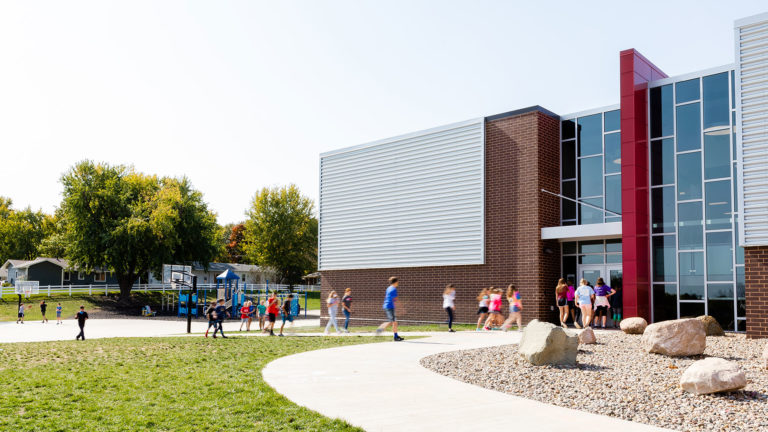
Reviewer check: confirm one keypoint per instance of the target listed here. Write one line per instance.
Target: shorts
(271, 317)
(261, 315)
(601, 311)
(287, 318)
(243, 320)
(58, 314)
(561, 302)
(514, 309)
(482, 310)
(390, 315)
(21, 315)
(495, 312)
(571, 304)
(211, 323)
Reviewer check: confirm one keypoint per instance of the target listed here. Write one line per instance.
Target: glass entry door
(611, 274)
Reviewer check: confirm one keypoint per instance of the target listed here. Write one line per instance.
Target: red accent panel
(636, 71)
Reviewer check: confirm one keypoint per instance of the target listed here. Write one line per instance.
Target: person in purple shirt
(602, 292)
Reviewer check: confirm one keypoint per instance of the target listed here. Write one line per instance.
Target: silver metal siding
(752, 129)
(408, 201)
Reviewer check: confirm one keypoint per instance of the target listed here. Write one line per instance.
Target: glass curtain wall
(591, 168)
(697, 267)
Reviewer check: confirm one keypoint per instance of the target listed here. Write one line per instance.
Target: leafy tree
(132, 223)
(235, 246)
(22, 231)
(281, 233)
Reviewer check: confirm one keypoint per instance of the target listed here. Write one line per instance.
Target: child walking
(262, 314)
(221, 314)
(333, 308)
(482, 307)
(449, 295)
(210, 313)
(346, 307)
(515, 308)
(495, 318)
(584, 296)
(21, 314)
(287, 316)
(58, 314)
(43, 309)
(561, 296)
(244, 311)
(272, 311)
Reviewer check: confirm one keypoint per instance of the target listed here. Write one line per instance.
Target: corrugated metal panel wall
(413, 200)
(752, 121)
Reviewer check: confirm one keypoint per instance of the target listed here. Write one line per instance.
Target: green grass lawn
(154, 384)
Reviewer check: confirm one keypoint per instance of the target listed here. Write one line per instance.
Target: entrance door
(611, 274)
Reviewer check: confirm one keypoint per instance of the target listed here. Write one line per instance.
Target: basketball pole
(189, 302)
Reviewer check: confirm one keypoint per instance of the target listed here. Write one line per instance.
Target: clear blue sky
(238, 95)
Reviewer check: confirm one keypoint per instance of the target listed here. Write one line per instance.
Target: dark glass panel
(691, 310)
(720, 304)
(613, 245)
(690, 229)
(663, 209)
(688, 127)
(687, 90)
(569, 207)
(741, 325)
(741, 293)
(591, 176)
(718, 202)
(691, 275)
(663, 162)
(590, 131)
(569, 267)
(613, 194)
(719, 256)
(612, 121)
(664, 267)
(689, 176)
(568, 223)
(717, 154)
(612, 153)
(591, 259)
(661, 111)
(591, 214)
(715, 92)
(569, 248)
(568, 163)
(568, 129)
(592, 246)
(664, 302)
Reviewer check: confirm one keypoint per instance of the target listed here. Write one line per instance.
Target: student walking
(20, 318)
(584, 296)
(571, 296)
(602, 293)
(210, 313)
(617, 305)
(58, 314)
(346, 307)
(285, 313)
(262, 308)
(251, 311)
(561, 296)
(389, 306)
(333, 309)
(482, 308)
(272, 311)
(43, 308)
(495, 318)
(244, 311)
(449, 295)
(82, 316)
(515, 308)
(221, 314)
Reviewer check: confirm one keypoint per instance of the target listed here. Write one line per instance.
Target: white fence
(105, 289)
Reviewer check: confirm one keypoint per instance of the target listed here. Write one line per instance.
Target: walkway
(382, 387)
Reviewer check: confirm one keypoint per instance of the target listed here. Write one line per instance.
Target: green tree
(132, 223)
(22, 231)
(281, 233)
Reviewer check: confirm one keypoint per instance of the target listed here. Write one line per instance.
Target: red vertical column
(636, 72)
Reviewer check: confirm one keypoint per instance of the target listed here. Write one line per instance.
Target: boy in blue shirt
(390, 303)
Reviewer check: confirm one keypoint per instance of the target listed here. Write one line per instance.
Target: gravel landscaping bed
(615, 377)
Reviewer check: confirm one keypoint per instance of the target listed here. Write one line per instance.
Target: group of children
(590, 304)
(489, 312)
(43, 309)
(267, 314)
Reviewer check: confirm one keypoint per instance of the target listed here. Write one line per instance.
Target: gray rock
(545, 343)
(677, 338)
(712, 375)
(587, 336)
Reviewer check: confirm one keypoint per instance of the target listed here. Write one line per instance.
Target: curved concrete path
(382, 387)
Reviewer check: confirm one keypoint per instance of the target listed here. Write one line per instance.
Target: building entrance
(611, 274)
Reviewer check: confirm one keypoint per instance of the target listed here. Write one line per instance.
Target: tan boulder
(678, 338)
(711, 326)
(712, 375)
(545, 343)
(587, 336)
(634, 325)
(765, 356)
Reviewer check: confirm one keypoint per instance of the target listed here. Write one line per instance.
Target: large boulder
(587, 336)
(678, 338)
(711, 326)
(634, 325)
(545, 343)
(712, 375)
(765, 356)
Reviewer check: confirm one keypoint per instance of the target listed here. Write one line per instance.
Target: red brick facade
(522, 153)
(756, 279)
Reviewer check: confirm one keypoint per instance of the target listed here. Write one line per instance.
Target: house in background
(52, 271)
(250, 274)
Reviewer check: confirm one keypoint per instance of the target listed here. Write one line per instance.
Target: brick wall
(522, 157)
(756, 279)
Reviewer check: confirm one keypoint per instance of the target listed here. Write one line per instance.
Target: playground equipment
(184, 302)
(230, 290)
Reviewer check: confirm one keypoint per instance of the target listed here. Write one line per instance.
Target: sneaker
(487, 328)
(398, 339)
(451, 331)
(378, 331)
(214, 336)
(281, 335)
(346, 331)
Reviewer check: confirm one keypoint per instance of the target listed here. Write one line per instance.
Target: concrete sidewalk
(382, 387)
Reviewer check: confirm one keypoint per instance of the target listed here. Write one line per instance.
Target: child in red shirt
(245, 312)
